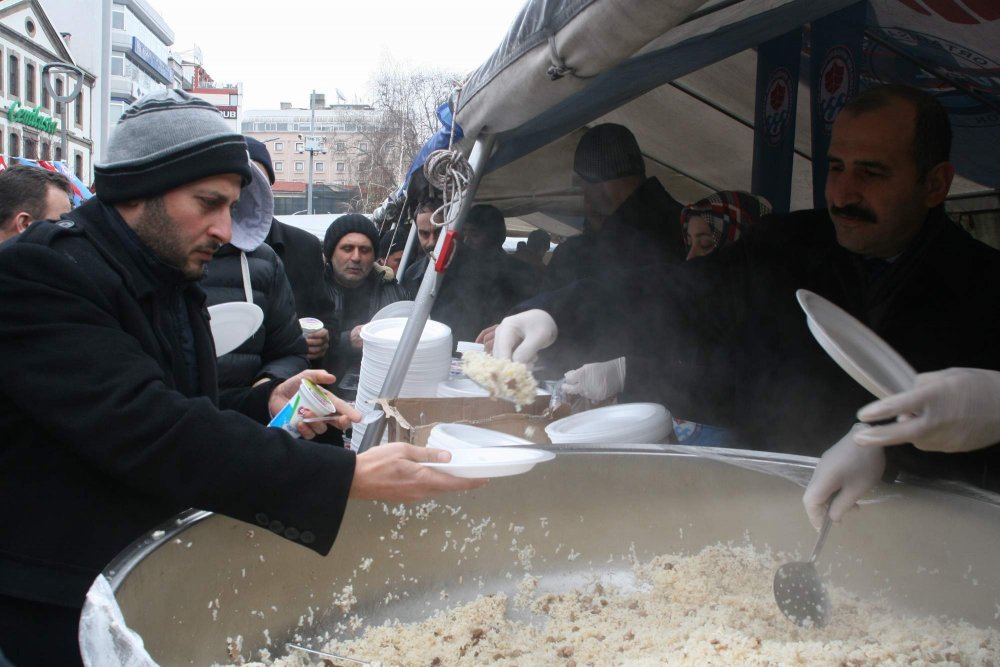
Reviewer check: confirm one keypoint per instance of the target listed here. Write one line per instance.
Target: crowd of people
(117, 414)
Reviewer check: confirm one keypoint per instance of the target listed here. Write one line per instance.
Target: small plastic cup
(309, 396)
(310, 325)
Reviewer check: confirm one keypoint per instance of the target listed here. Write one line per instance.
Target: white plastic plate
(464, 436)
(232, 323)
(620, 423)
(492, 461)
(857, 349)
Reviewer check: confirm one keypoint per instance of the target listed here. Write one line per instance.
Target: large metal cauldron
(210, 578)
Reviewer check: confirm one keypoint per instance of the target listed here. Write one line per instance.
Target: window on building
(279, 166)
(279, 146)
(340, 166)
(58, 153)
(14, 150)
(118, 17)
(299, 146)
(234, 100)
(320, 166)
(1, 70)
(298, 166)
(340, 147)
(46, 151)
(59, 92)
(29, 82)
(78, 112)
(118, 64)
(13, 69)
(115, 110)
(1, 141)
(30, 148)
(363, 147)
(78, 166)
(46, 100)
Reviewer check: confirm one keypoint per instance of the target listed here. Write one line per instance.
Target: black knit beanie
(259, 153)
(165, 140)
(346, 224)
(606, 152)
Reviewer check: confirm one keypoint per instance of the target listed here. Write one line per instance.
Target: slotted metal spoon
(799, 591)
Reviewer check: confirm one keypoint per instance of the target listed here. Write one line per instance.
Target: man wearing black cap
(630, 220)
(302, 255)
(111, 417)
(360, 289)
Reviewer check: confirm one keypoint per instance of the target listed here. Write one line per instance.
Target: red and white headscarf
(727, 213)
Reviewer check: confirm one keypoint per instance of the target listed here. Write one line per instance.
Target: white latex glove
(954, 410)
(598, 381)
(845, 468)
(520, 337)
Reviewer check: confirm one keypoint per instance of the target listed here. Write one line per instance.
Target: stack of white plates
(464, 436)
(427, 369)
(639, 423)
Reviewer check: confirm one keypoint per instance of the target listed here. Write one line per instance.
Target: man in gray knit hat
(109, 406)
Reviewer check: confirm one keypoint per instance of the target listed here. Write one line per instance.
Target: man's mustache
(854, 211)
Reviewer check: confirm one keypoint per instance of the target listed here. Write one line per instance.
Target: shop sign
(32, 118)
(228, 112)
(146, 55)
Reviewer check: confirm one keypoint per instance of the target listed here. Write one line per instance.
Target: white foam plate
(628, 422)
(232, 323)
(464, 436)
(389, 331)
(395, 309)
(492, 461)
(857, 349)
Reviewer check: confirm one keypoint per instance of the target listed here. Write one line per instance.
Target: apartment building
(31, 121)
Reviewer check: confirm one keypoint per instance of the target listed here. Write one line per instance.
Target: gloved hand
(598, 381)
(954, 410)
(520, 337)
(847, 468)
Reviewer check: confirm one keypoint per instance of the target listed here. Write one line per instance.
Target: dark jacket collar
(145, 272)
(276, 236)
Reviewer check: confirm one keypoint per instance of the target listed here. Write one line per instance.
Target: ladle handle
(823, 532)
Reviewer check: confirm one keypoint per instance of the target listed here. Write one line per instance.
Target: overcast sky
(285, 49)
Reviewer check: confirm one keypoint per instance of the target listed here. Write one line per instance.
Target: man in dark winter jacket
(301, 253)
(884, 251)
(111, 417)
(248, 270)
(483, 282)
(360, 289)
(630, 220)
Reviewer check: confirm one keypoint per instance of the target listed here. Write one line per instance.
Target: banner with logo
(834, 74)
(951, 49)
(774, 118)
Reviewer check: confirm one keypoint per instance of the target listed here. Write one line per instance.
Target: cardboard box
(411, 419)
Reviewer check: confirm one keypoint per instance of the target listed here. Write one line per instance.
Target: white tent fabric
(681, 76)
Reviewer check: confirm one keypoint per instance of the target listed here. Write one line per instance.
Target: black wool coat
(108, 431)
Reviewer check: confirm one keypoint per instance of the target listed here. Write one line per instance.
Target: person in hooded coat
(248, 270)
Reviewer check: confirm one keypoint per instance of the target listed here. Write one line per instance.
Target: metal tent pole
(425, 300)
(410, 239)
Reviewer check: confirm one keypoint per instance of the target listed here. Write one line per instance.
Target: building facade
(140, 54)
(228, 97)
(343, 148)
(31, 121)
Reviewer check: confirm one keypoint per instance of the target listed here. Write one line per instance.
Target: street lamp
(312, 145)
(74, 74)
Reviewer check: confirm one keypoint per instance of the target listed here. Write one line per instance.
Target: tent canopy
(681, 75)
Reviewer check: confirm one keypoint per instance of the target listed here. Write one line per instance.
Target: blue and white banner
(834, 74)
(774, 118)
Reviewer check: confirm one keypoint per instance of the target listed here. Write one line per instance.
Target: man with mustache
(884, 251)
(360, 288)
(110, 413)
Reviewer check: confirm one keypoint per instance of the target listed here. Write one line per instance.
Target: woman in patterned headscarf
(720, 218)
(709, 224)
